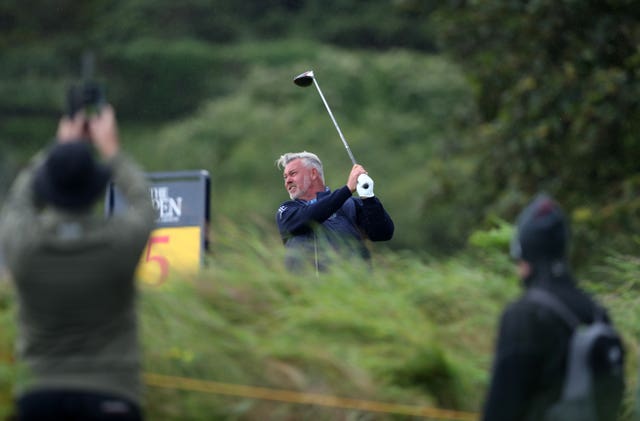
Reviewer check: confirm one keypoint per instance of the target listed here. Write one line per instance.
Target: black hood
(541, 239)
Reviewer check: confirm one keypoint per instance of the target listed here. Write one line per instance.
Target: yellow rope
(183, 383)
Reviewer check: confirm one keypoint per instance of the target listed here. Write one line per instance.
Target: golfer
(318, 225)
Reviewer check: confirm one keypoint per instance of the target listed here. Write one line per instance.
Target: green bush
(152, 79)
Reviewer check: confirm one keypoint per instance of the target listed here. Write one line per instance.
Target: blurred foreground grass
(413, 331)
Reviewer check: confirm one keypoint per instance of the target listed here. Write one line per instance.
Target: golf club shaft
(335, 123)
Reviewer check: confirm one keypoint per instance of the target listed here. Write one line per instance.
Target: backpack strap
(599, 314)
(552, 302)
(578, 381)
(577, 378)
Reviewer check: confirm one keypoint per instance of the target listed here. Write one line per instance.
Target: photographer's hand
(104, 132)
(71, 129)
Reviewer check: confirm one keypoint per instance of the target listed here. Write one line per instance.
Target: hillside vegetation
(542, 96)
(460, 111)
(412, 332)
(401, 124)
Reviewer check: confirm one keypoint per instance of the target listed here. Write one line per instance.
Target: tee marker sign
(178, 243)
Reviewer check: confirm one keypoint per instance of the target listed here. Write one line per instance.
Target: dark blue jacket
(334, 222)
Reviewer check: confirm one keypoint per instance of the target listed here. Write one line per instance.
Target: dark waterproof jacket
(334, 223)
(530, 360)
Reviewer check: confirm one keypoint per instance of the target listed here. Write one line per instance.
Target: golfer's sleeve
(295, 218)
(375, 221)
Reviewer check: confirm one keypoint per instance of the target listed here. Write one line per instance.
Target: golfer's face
(297, 179)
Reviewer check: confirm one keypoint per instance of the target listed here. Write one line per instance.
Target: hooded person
(540, 244)
(531, 347)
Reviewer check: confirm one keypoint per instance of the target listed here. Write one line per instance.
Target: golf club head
(304, 79)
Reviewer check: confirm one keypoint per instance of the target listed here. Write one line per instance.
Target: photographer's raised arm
(103, 131)
(18, 210)
(72, 129)
(127, 175)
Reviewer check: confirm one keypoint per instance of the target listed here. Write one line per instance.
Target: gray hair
(309, 159)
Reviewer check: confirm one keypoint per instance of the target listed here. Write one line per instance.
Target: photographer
(73, 271)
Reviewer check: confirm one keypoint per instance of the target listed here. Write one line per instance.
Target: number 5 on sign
(169, 252)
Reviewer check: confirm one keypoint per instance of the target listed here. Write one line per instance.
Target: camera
(87, 95)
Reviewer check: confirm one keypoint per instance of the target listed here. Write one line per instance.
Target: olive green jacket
(74, 281)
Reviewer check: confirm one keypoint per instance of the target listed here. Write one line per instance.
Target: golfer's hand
(365, 186)
(352, 181)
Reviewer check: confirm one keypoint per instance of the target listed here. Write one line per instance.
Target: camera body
(88, 96)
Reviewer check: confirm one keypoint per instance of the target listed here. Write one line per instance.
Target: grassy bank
(413, 331)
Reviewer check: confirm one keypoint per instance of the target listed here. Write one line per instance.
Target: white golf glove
(364, 186)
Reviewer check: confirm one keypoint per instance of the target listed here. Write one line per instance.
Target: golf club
(307, 78)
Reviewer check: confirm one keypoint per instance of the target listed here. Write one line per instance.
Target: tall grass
(400, 333)
(411, 331)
